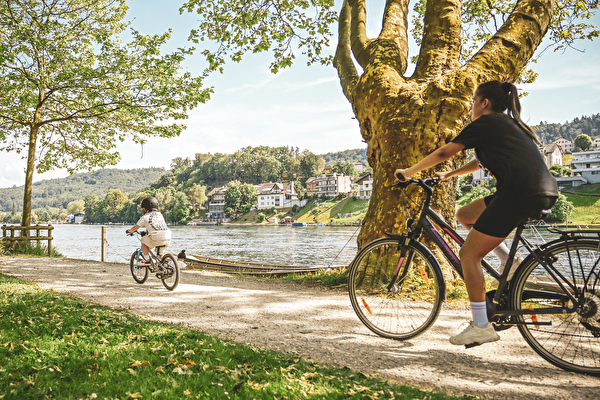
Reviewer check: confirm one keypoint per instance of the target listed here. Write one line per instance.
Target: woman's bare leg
(467, 215)
(471, 253)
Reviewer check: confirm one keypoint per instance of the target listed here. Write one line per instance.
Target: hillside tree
(402, 115)
(583, 142)
(75, 81)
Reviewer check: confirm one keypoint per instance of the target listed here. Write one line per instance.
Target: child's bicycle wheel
(140, 274)
(170, 275)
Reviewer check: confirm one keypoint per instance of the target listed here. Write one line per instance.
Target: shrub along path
(317, 324)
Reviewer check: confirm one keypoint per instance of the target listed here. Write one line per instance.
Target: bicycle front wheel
(569, 340)
(396, 306)
(170, 277)
(140, 274)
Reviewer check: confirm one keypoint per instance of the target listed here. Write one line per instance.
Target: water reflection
(284, 245)
(301, 246)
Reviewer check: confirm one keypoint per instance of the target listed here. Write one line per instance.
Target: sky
(304, 106)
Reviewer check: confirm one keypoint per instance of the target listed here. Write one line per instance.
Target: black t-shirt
(509, 154)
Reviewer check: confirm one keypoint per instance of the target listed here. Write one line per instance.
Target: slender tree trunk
(26, 217)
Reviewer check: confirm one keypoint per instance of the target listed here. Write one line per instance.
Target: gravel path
(318, 324)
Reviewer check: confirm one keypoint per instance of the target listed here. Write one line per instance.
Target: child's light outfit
(159, 233)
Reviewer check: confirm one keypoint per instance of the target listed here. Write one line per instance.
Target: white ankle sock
(479, 311)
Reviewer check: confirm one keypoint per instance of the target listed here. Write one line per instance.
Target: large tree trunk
(403, 119)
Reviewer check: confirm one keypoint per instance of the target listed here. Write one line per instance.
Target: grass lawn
(587, 208)
(58, 346)
(327, 211)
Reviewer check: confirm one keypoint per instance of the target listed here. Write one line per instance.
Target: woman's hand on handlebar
(400, 175)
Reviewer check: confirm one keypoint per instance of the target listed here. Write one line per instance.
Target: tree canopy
(583, 142)
(403, 114)
(74, 82)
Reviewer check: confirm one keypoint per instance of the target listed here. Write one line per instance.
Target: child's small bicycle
(165, 267)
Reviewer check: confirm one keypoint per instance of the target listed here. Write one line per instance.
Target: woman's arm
(442, 154)
(471, 166)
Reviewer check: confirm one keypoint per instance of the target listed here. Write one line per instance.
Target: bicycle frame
(428, 220)
(155, 260)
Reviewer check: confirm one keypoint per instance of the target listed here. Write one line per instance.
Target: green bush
(562, 209)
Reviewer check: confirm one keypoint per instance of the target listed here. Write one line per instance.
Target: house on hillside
(481, 175)
(216, 202)
(359, 167)
(332, 184)
(76, 218)
(311, 186)
(585, 167)
(565, 144)
(277, 195)
(552, 154)
(365, 186)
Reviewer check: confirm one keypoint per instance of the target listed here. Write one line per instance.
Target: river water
(282, 245)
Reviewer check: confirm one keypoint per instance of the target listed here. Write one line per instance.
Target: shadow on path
(318, 324)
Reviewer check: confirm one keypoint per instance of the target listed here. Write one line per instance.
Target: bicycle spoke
(170, 275)
(570, 337)
(140, 274)
(398, 308)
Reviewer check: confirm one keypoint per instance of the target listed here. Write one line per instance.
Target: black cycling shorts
(502, 214)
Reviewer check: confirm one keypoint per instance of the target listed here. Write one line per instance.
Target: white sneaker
(474, 335)
(143, 263)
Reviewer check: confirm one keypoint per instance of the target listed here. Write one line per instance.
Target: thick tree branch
(343, 55)
(515, 42)
(440, 48)
(395, 27)
(359, 39)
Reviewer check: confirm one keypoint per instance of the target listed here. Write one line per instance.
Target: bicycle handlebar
(142, 233)
(427, 183)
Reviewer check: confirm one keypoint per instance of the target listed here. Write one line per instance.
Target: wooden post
(37, 234)
(103, 245)
(50, 228)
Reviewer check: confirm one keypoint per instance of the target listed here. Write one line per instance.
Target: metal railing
(24, 235)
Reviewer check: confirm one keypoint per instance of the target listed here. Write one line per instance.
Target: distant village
(280, 195)
(585, 168)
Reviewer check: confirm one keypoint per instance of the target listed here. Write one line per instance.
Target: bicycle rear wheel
(405, 307)
(140, 274)
(570, 341)
(170, 277)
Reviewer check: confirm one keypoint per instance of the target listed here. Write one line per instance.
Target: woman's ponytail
(503, 97)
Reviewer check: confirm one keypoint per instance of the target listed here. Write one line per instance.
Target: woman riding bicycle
(156, 227)
(506, 147)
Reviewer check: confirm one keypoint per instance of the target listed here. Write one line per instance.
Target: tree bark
(26, 216)
(402, 119)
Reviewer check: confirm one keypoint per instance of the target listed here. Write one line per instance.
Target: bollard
(103, 245)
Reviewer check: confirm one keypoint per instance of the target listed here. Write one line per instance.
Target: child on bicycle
(508, 149)
(158, 233)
